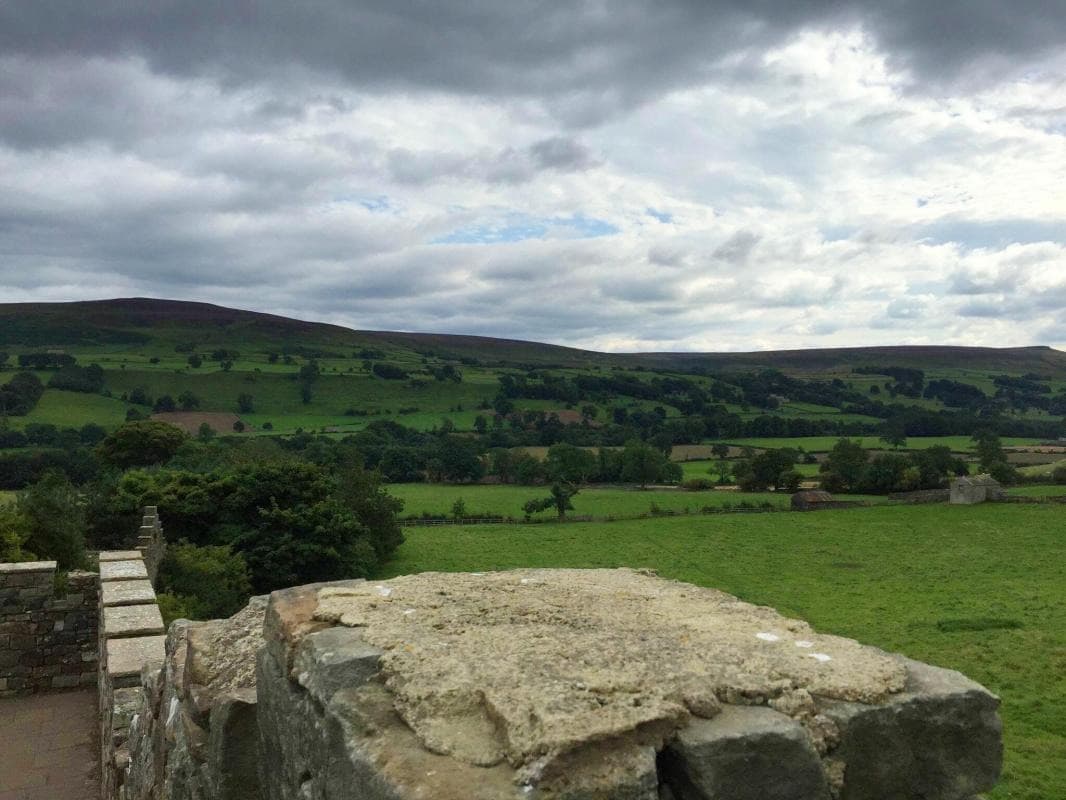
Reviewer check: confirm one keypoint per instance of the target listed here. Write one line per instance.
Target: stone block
(119, 555)
(334, 659)
(744, 753)
(938, 739)
(26, 568)
(125, 621)
(66, 681)
(233, 746)
(132, 569)
(127, 593)
(126, 657)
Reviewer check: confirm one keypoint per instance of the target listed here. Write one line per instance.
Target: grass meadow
(822, 444)
(981, 589)
(602, 502)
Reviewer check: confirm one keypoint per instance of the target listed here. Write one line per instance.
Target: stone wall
(546, 685)
(47, 636)
(131, 641)
(150, 541)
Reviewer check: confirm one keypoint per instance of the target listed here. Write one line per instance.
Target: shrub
(1058, 475)
(55, 520)
(14, 531)
(206, 582)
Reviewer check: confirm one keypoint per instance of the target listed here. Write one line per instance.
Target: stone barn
(812, 500)
(975, 489)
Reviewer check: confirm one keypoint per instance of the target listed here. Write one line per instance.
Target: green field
(886, 576)
(1042, 469)
(822, 444)
(74, 409)
(619, 502)
(434, 498)
(1039, 490)
(705, 468)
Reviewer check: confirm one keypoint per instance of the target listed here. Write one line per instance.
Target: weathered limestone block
(126, 657)
(119, 555)
(566, 684)
(123, 570)
(938, 739)
(124, 621)
(127, 593)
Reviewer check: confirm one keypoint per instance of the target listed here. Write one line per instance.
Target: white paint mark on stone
(804, 643)
(408, 611)
(767, 637)
(820, 657)
(384, 591)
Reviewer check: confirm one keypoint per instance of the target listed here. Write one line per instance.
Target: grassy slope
(885, 575)
(126, 324)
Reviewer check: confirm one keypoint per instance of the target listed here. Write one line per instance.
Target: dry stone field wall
(561, 684)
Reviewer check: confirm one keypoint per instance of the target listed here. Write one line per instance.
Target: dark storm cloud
(590, 54)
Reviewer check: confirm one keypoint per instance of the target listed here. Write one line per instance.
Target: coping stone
(27, 566)
(123, 570)
(139, 620)
(126, 657)
(119, 555)
(127, 593)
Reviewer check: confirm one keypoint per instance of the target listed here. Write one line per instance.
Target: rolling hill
(129, 323)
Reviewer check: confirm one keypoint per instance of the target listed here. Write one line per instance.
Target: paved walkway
(49, 747)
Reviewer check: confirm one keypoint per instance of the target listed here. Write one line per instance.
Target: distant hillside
(140, 321)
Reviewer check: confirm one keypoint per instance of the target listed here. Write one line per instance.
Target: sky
(627, 175)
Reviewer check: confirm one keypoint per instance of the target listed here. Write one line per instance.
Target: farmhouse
(975, 489)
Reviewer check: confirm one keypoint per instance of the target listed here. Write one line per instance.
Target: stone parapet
(48, 628)
(546, 685)
(131, 642)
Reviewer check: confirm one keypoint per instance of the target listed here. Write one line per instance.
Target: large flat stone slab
(119, 555)
(526, 665)
(133, 569)
(126, 593)
(21, 567)
(126, 658)
(140, 620)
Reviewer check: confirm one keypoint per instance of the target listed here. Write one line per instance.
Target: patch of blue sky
(991, 234)
(519, 227)
(662, 216)
(378, 204)
(838, 233)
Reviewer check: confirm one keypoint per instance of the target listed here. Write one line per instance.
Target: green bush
(14, 531)
(55, 519)
(206, 582)
(1058, 475)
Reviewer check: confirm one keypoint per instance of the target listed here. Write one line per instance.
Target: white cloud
(800, 193)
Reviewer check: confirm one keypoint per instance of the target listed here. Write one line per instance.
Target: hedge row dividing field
(981, 589)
